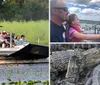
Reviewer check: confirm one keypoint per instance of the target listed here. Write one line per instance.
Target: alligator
(74, 66)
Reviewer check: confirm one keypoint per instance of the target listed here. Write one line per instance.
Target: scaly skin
(60, 59)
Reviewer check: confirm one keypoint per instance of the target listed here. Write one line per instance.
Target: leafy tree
(24, 10)
(1, 2)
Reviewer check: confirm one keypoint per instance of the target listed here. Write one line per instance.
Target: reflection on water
(24, 72)
(6, 60)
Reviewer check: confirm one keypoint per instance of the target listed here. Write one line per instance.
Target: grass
(34, 31)
(29, 82)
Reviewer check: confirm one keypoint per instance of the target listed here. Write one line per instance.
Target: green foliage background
(28, 17)
(24, 10)
(33, 30)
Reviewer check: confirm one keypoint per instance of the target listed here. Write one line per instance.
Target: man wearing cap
(59, 12)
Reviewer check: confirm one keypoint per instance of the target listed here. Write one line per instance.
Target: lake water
(90, 28)
(24, 72)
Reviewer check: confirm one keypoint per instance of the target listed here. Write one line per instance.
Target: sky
(85, 9)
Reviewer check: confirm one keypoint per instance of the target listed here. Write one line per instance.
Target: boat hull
(32, 51)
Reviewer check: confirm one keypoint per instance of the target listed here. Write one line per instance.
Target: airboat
(25, 51)
(11, 50)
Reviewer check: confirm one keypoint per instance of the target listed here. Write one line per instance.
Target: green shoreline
(34, 31)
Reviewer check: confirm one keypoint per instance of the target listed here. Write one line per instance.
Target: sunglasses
(62, 8)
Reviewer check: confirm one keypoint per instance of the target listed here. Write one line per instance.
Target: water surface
(24, 72)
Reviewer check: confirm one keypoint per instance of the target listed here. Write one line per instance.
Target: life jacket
(74, 39)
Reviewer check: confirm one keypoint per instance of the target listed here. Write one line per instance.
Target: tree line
(24, 10)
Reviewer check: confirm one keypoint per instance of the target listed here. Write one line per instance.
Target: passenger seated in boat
(75, 33)
(17, 40)
(7, 40)
(22, 39)
(1, 39)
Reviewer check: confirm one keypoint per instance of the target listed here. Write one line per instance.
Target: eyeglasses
(62, 8)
